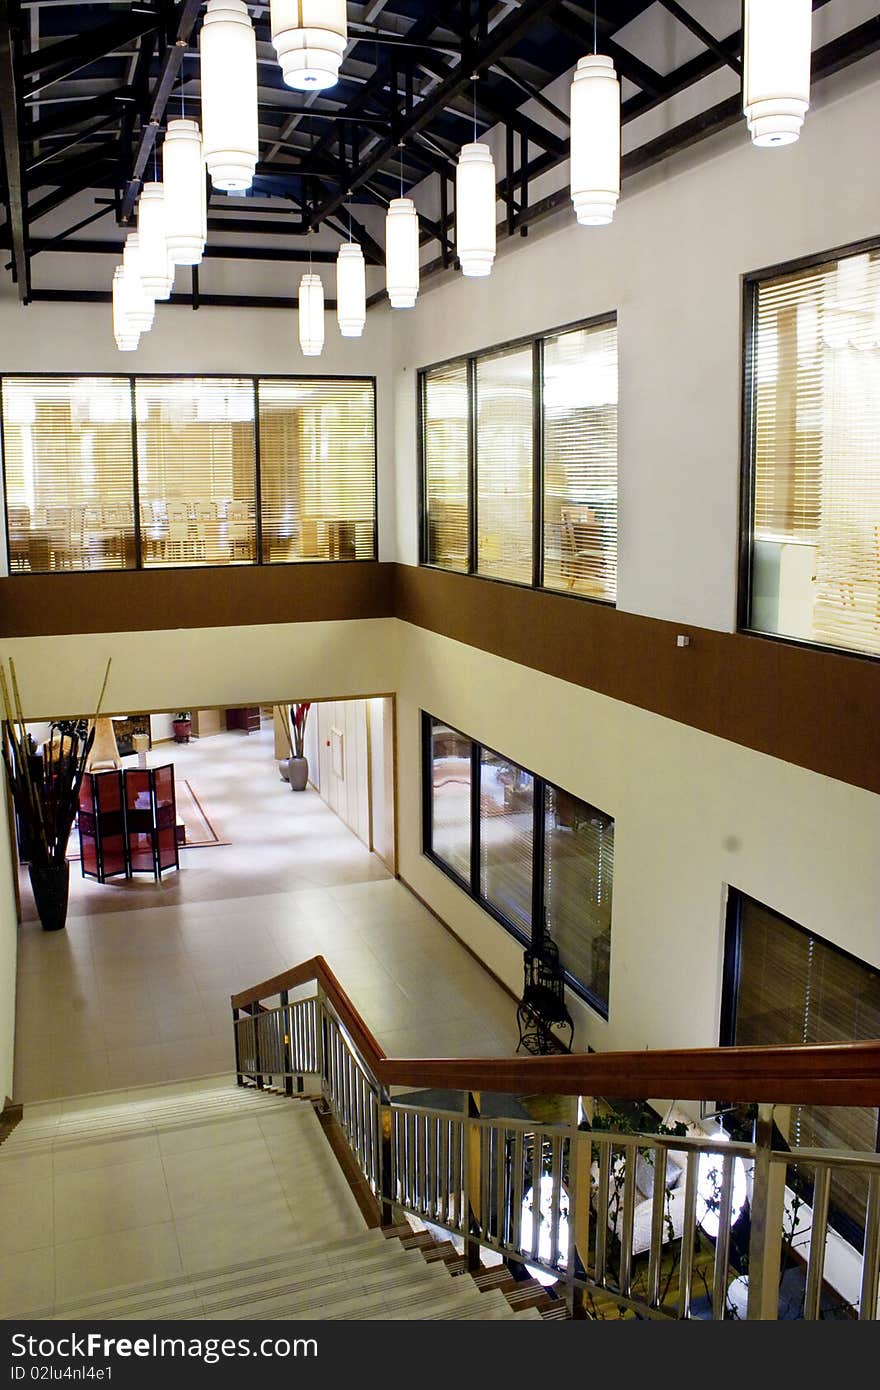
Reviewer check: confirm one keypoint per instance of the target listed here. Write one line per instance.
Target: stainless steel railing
(570, 1200)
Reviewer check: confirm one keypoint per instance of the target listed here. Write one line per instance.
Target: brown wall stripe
(812, 708)
(816, 709)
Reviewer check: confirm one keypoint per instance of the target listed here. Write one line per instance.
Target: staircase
(343, 1272)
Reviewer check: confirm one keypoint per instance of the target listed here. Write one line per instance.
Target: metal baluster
(871, 1255)
(483, 1215)
(722, 1240)
(658, 1217)
(602, 1198)
(555, 1199)
(629, 1211)
(502, 1186)
(688, 1235)
(767, 1215)
(818, 1238)
(537, 1174)
(239, 1075)
(444, 1193)
(385, 1174)
(473, 1185)
(516, 1192)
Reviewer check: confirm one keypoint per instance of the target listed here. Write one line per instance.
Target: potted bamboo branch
(46, 806)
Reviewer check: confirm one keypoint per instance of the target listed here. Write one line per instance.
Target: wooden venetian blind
(506, 838)
(580, 461)
(68, 473)
(578, 888)
(317, 469)
(196, 470)
(795, 988)
(816, 437)
(447, 465)
(505, 465)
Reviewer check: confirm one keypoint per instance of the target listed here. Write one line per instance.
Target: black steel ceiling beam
(84, 247)
(709, 40)
(59, 60)
(218, 301)
(532, 92)
(10, 116)
(68, 117)
(186, 15)
(374, 254)
(859, 43)
(73, 183)
(497, 109)
(502, 38)
(627, 64)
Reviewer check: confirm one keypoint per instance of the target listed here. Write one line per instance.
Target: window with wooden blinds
(446, 432)
(534, 856)
(580, 461)
(505, 434)
(578, 889)
(814, 396)
(196, 464)
(793, 987)
(317, 469)
(67, 455)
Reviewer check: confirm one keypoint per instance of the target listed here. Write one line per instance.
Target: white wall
(671, 266)
(346, 789)
(692, 814)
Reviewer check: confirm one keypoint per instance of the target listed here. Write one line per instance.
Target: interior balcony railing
(547, 1161)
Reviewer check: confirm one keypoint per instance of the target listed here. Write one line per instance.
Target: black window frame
(470, 359)
(736, 900)
(471, 887)
(751, 283)
(254, 378)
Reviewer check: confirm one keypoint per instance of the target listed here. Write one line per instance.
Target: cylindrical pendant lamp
(141, 307)
(475, 209)
(595, 140)
(776, 70)
(124, 332)
(402, 253)
(153, 242)
(228, 49)
(311, 315)
(183, 178)
(351, 290)
(310, 38)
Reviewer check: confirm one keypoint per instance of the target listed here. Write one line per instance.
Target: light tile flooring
(136, 989)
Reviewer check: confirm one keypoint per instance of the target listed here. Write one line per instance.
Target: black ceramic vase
(50, 884)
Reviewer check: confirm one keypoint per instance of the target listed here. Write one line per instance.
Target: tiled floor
(136, 989)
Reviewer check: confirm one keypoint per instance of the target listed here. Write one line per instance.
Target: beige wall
(692, 814)
(346, 787)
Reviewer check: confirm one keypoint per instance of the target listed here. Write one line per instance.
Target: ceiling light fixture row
(310, 38)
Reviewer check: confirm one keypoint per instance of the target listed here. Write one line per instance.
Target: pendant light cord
(474, 80)
(595, 26)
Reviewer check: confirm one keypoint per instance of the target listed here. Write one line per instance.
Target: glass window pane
(505, 465)
(815, 393)
(578, 888)
(796, 988)
(69, 474)
(451, 798)
(196, 471)
(445, 425)
(317, 470)
(506, 836)
(580, 462)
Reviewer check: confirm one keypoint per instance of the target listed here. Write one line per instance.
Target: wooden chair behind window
(581, 542)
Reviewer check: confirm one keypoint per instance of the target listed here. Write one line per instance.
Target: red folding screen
(101, 824)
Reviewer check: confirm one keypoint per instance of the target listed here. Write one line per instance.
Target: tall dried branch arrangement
(47, 810)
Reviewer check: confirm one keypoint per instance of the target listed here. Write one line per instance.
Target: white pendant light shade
(124, 332)
(776, 71)
(311, 315)
(310, 38)
(351, 290)
(141, 307)
(475, 209)
(402, 253)
(183, 178)
(595, 140)
(153, 242)
(228, 51)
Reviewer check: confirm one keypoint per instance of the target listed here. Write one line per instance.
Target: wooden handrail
(831, 1074)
